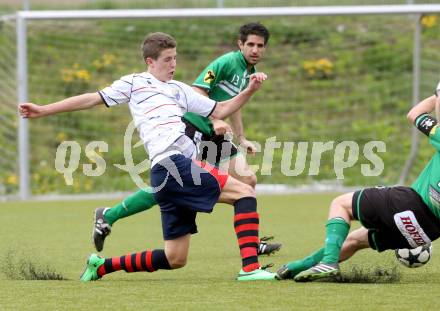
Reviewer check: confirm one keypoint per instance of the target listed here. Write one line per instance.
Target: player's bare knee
(336, 204)
(342, 205)
(246, 190)
(177, 262)
(175, 256)
(250, 180)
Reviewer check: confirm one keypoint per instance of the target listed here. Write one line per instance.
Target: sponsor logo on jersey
(209, 77)
(434, 196)
(175, 94)
(408, 225)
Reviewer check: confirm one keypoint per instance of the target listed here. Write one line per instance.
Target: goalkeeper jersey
(223, 79)
(427, 185)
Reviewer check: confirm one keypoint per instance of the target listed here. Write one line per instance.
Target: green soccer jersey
(427, 185)
(223, 79)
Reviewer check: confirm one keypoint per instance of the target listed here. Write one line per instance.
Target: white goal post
(22, 17)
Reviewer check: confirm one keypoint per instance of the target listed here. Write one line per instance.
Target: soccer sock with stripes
(137, 202)
(337, 230)
(298, 266)
(148, 261)
(246, 222)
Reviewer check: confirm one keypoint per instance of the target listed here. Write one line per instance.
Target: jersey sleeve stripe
(206, 87)
(213, 108)
(227, 90)
(129, 83)
(103, 99)
(128, 97)
(117, 103)
(103, 96)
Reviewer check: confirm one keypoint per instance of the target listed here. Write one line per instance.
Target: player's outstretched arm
(425, 106)
(80, 102)
(228, 107)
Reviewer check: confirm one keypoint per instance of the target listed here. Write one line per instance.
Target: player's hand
(248, 146)
(30, 110)
(221, 127)
(255, 80)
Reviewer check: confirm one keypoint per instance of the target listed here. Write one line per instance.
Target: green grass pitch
(57, 236)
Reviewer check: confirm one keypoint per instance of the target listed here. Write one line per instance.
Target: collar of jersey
(151, 76)
(244, 62)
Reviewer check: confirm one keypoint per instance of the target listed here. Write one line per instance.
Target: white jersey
(157, 108)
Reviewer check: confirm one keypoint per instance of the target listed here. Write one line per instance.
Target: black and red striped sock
(148, 261)
(246, 223)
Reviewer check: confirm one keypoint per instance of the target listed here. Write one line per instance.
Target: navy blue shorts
(182, 189)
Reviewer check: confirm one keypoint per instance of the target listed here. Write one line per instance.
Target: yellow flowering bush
(321, 68)
(75, 79)
(429, 21)
(12, 180)
(106, 61)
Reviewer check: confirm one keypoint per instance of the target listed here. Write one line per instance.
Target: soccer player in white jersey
(183, 186)
(221, 80)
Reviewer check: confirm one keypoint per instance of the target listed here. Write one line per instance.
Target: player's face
(164, 66)
(253, 49)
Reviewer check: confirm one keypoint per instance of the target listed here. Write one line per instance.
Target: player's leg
(337, 228)
(177, 251)
(293, 268)
(137, 202)
(355, 241)
(233, 162)
(246, 225)
(146, 261)
(177, 225)
(385, 211)
(237, 167)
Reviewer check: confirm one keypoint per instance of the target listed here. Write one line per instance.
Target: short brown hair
(154, 43)
(257, 29)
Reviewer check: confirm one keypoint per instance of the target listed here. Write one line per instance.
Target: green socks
(298, 266)
(139, 201)
(337, 231)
